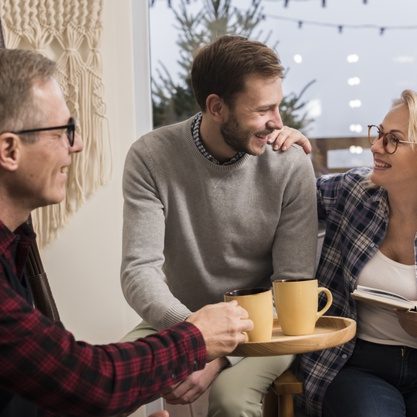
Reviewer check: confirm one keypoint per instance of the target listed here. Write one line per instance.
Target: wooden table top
(330, 331)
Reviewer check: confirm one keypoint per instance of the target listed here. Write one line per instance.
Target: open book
(383, 298)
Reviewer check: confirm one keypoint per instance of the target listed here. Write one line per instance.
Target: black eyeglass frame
(69, 130)
(385, 139)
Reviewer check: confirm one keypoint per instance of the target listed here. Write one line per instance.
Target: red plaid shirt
(42, 362)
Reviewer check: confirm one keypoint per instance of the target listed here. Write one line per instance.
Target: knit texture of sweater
(194, 230)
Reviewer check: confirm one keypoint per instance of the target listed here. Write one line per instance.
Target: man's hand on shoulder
(223, 326)
(286, 137)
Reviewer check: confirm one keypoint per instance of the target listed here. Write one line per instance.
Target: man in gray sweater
(210, 207)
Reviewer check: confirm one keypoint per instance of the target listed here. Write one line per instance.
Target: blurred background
(346, 61)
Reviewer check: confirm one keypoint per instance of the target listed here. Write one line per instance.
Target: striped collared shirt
(195, 131)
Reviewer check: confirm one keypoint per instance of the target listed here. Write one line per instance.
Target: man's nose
(275, 122)
(78, 144)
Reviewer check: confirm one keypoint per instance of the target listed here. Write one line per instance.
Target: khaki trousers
(239, 390)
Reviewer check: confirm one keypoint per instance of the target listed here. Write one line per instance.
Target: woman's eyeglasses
(389, 140)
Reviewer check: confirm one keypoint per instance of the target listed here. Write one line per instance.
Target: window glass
(348, 60)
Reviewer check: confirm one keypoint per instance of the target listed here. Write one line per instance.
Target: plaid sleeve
(42, 362)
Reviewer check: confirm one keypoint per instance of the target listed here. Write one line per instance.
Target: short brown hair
(19, 71)
(222, 67)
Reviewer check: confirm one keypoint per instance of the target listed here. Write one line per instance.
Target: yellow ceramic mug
(258, 303)
(296, 302)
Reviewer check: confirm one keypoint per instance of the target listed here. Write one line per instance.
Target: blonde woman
(370, 215)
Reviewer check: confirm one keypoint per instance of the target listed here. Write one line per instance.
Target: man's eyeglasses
(389, 140)
(69, 130)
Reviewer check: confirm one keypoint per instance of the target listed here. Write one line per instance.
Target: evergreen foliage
(173, 101)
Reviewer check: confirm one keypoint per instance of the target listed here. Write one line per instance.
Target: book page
(382, 298)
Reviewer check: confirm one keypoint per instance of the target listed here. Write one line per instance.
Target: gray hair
(19, 71)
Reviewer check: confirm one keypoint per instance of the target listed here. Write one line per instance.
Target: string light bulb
(352, 58)
(354, 81)
(341, 27)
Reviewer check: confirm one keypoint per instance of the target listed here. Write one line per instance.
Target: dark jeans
(377, 381)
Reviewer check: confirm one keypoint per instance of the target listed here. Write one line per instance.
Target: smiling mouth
(381, 165)
(263, 135)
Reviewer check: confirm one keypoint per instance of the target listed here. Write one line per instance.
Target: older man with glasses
(69, 130)
(43, 369)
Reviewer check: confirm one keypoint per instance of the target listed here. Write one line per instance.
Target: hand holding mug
(223, 326)
(258, 303)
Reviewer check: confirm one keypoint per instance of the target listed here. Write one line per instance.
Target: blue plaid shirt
(355, 214)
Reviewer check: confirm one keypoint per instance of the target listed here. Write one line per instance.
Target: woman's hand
(287, 136)
(408, 321)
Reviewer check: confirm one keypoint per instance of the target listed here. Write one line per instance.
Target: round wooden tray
(329, 332)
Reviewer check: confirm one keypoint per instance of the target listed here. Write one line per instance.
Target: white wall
(142, 66)
(83, 263)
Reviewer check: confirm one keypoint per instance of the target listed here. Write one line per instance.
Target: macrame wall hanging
(67, 31)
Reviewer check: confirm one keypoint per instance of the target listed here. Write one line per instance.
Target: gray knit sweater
(193, 229)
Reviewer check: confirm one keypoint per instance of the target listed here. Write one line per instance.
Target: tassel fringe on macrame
(68, 31)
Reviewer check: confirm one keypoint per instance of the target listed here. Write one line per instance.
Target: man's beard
(238, 138)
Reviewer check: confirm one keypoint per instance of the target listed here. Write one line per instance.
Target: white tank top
(377, 324)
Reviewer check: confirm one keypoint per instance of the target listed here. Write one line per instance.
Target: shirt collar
(195, 131)
(23, 234)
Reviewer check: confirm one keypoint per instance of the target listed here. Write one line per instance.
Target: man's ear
(216, 107)
(10, 151)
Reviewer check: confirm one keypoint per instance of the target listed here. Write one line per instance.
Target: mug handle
(329, 297)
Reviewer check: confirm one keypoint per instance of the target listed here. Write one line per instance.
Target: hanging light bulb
(353, 81)
(352, 58)
(354, 104)
(298, 59)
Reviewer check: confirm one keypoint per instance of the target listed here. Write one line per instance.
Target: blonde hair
(409, 98)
